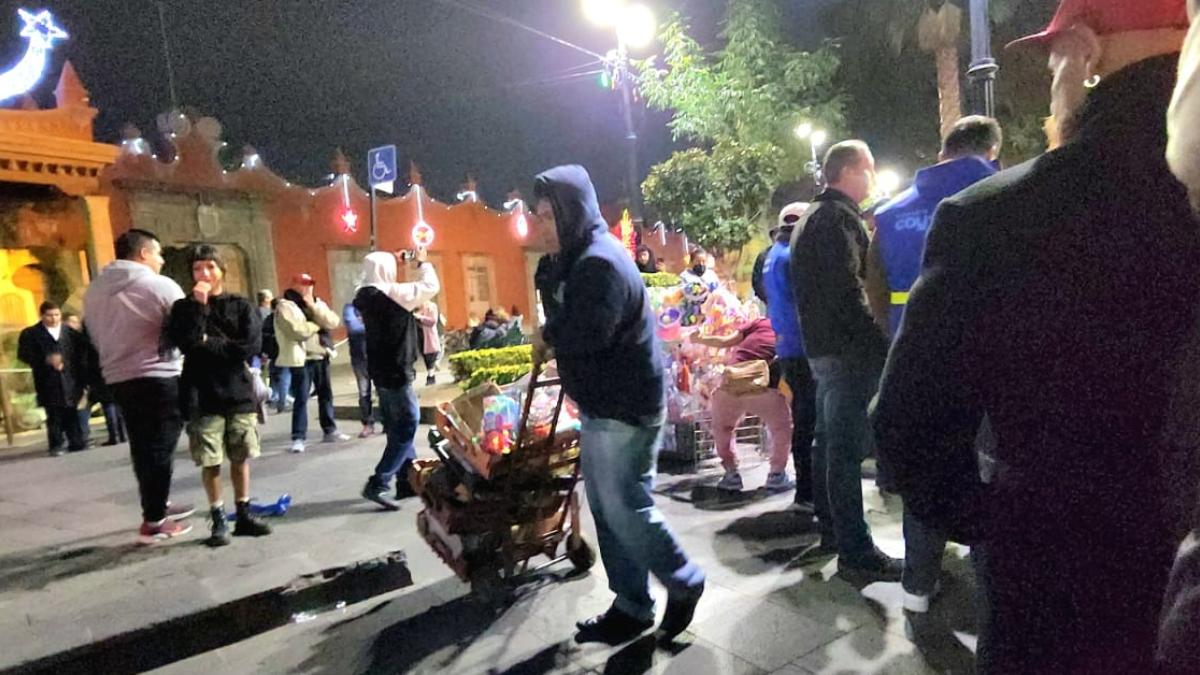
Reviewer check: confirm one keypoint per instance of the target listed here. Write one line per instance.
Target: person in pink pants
(754, 341)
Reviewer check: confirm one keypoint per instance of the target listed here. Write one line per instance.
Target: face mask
(698, 270)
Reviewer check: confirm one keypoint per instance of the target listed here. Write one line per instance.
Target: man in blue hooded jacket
(968, 156)
(610, 361)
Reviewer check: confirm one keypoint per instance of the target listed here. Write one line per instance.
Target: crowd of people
(1019, 349)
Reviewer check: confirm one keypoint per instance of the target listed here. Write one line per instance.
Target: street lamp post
(634, 26)
(815, 138)
(983, 67)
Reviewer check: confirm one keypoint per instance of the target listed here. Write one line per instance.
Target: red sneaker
(167, 529)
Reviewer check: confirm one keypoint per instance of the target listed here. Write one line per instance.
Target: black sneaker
(611, 628)
(378, 493)
(877, 565)
(681, 607)
(404, 489)
(247, 525)
(220, 529)
(57, 452)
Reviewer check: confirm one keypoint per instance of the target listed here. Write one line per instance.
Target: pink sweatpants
(770, 406)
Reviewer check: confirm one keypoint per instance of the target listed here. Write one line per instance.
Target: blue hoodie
(781, 302)
(902, 223)
(603, 331)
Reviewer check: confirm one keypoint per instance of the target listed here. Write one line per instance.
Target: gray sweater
(125, 309)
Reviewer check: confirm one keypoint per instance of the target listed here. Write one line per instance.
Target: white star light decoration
(41, 32)
(40, 29)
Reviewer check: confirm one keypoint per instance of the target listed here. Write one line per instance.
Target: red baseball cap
(1112, 16)
(303, 279)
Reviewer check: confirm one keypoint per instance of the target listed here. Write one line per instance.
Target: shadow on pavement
(35, 569)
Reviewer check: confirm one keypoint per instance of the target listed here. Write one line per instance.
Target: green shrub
(660, 280)
(500, 375)
(464, 364)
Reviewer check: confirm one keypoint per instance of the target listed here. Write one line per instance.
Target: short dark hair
(973, 135)
(201, 252)
(132, 242)
(46, 307)
(843, 156)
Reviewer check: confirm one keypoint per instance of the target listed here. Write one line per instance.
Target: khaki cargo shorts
(213, 437)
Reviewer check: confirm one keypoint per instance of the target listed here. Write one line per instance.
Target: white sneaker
(919, 604)
(297, 447)
(731, 482)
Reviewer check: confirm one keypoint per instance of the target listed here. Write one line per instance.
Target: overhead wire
(501, 18)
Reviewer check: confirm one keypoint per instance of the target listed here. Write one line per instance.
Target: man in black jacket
(845, 349)
(1053, 306)
(57, 354)
(394, 343)
(611, 365)
(219, 333)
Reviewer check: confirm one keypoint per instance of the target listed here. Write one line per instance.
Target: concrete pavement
(69, 575)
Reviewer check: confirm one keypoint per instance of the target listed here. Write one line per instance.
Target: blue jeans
(618, 462)
(844, 389)
(400, 414)
(363, 382)
(315, 373)
(923, 551)
(281, 386)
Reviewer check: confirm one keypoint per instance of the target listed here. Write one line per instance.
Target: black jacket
(828, 266)
(393, 338)
(1055, 299)
(55, 388)
(217, 339)
(603, 330)
(756, 274)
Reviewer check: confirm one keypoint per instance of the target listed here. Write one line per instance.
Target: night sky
(298, 78)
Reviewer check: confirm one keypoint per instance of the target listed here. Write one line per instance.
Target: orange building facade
(271, 230)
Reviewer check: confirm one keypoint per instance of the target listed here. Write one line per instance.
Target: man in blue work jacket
(893, 263)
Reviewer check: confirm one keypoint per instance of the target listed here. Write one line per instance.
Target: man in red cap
(302, 325)
(1045, 332)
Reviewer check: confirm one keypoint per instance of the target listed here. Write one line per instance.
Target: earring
(1092, 81)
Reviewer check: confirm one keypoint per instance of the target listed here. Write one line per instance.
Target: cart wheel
(580, 553)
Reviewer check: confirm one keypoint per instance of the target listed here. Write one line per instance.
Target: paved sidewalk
(69, 575)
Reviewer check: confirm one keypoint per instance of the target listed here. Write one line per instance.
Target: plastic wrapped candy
(500, 416)
(723, 313)
(670, 321)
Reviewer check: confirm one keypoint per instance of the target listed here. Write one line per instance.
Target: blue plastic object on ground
(278, 508)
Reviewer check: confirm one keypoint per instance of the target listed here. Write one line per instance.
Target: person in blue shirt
(968, 156)
(789, 348)
(893, 264)
(356, 334)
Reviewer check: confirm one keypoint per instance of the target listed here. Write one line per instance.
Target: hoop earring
(1092, 81)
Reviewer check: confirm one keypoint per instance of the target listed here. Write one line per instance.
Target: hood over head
(379, 270)
(576, 208)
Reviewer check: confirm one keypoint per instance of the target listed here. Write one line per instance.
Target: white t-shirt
(55, 332)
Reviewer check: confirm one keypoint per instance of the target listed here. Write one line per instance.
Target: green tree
(737, 106)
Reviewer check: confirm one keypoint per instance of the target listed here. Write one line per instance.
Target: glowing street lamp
(887, 182)
(635, 27)
(816, 138)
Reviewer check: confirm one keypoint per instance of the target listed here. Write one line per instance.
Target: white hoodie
(125, 309)
(1183, 119)
(379, 270)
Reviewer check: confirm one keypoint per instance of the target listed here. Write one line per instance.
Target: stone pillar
(100, 250)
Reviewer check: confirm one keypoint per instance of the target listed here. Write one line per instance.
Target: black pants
(315, 374)
(64, 420)
(799, 379)
(153, 420)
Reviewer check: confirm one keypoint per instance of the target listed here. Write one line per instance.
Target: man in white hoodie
(394, 343)
(125, 309)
